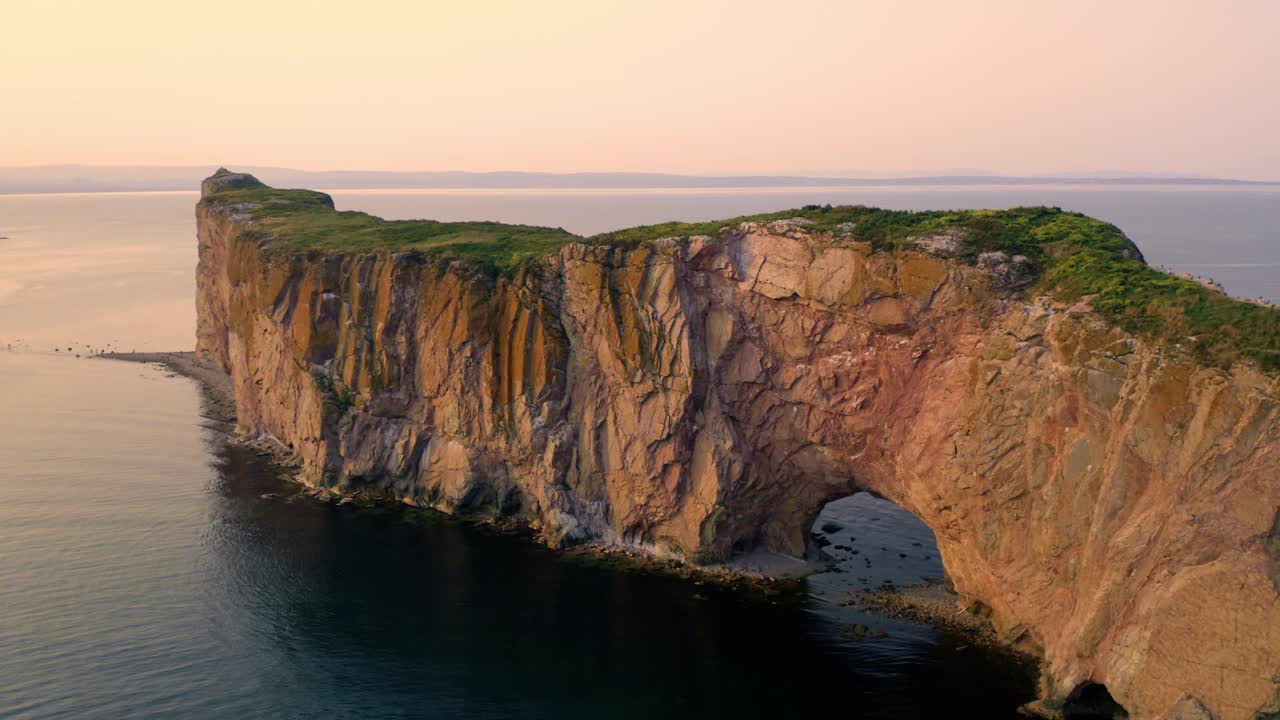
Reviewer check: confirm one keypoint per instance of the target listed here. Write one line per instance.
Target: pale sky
(692, 86)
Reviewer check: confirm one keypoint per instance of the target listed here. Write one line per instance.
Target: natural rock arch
(689, 396)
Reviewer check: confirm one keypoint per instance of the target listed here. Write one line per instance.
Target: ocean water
(150, 570)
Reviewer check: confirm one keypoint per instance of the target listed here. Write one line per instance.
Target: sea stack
(1107, 484)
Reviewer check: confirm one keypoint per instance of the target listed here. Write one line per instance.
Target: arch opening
(1092, 701)
(872, 543)
(884, 583)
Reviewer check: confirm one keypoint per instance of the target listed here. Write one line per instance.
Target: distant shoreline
(713, 190)
(107, 179)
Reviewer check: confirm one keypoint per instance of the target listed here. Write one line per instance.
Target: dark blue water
(148, 569)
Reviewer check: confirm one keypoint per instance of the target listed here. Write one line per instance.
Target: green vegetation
(1216, 328)
(1071, 255)
(297, 221)
(1032, 231)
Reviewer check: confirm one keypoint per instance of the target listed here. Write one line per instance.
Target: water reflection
(391, 610)
(148, 569)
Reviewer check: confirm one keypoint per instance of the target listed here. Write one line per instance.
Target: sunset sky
(693, 86)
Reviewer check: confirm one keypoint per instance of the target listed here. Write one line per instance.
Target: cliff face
(1115, 505)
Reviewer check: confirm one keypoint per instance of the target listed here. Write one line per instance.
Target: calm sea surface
(147, 569)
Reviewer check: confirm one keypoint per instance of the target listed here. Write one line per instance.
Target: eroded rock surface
(1113, 504)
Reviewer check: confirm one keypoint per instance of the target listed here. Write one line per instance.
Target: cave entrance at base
(1092, 701)
(874, 544)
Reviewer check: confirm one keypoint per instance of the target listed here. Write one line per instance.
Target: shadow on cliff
(1092, 701)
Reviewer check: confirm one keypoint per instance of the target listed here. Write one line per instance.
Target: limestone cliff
(1114, 502)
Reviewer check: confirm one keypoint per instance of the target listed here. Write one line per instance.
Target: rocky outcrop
(1113, 503)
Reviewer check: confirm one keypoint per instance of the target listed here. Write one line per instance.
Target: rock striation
(1114, 503)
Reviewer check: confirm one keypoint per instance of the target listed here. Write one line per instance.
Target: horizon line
(859, 175)
(118, 178)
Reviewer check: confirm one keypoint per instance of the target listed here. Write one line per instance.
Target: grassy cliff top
(300, 221)
(1071, 255)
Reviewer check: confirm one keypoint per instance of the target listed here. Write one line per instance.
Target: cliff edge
(1095, 444)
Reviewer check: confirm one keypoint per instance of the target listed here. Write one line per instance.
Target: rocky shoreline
(774, 576)
(215, 383)
(934, 604)
(756, 569)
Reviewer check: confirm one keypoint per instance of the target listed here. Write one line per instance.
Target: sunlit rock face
(1114, 504)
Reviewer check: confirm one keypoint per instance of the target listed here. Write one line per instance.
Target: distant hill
(120, 178)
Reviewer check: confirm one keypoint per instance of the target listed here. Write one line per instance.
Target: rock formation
(1114, 503)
